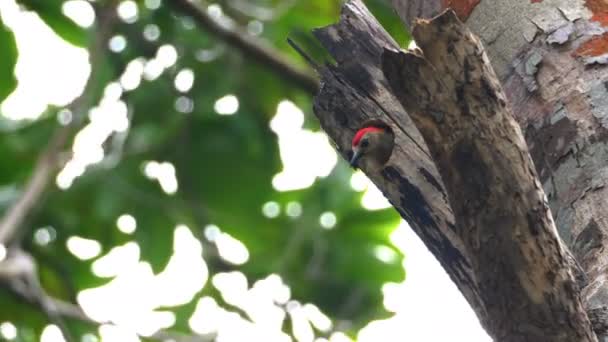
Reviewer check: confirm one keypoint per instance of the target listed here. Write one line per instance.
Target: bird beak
(355, 158)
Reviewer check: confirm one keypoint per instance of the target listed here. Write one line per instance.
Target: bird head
(373, 144)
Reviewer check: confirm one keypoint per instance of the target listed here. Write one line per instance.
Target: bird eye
(364, 143)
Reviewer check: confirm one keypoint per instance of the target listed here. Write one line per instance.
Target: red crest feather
(360, 133)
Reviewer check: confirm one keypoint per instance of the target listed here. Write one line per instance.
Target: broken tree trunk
(551, 58)
(453, 96)
(356, 90)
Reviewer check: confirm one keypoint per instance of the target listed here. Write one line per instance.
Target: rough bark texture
(355, 91)
(549, 56)
(455, 100)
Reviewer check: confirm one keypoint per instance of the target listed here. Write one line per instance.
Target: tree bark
(549, 56)
(456, 101)
(355, 91)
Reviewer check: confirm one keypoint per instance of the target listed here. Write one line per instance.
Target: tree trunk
(550, 57)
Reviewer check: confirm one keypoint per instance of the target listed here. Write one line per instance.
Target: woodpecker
(372, 145)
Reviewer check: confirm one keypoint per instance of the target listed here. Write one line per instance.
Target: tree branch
(48, 161)
(254, 47)
(18, 272)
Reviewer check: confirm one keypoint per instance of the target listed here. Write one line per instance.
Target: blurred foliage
(224, 164)
(8, 56)
(50, 11)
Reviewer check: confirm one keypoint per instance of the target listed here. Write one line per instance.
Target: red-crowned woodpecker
(372, 146)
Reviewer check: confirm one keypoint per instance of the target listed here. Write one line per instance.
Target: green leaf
(28, 319)
(50, 12)
(22, 146)
(8, 56)
(390, 21)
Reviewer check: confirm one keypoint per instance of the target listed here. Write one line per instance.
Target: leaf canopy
(224, 166)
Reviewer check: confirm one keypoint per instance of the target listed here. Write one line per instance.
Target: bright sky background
(427, 306)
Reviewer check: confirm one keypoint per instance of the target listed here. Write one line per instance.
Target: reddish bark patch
(596, 46)
(463, 8)
(599, 8)
(536, 1)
